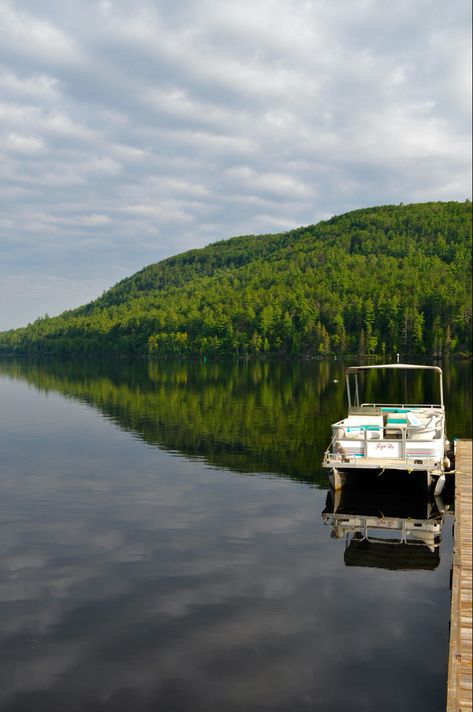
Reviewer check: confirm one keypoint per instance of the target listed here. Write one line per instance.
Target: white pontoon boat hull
(388, 436)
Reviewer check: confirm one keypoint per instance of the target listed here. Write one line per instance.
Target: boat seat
(364, 410)
(357, 432)
(424, 428)
(355, 426)
(398, 419)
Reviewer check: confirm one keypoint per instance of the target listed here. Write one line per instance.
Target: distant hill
(379, 280)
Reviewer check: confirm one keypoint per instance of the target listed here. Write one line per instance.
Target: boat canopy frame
(396, 366)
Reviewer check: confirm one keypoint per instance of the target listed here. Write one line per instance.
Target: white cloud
(27, 34)
(59, 123)
(278, 184)
(36, 86)
(24, 144)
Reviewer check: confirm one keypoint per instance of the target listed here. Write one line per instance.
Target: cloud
(24, 33)
(187, 124)
(24, 144)
(37, 86)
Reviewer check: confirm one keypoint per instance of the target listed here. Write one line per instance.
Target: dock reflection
(387, 527)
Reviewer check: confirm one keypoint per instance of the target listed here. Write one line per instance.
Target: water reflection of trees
(250, 417)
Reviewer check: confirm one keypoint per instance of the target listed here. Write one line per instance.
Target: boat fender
(439, 485)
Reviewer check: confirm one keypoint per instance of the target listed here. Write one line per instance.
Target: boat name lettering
(384, 446)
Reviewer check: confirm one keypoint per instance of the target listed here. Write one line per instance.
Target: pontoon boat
(389, 436)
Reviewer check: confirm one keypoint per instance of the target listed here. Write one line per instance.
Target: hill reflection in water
(251, 417)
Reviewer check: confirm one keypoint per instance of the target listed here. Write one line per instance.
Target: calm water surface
(163, 546)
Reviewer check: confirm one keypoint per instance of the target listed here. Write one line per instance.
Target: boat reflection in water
(387, 528)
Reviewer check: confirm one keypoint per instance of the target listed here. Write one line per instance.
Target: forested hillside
(373, 281)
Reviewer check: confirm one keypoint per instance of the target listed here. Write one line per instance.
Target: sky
(133, 131)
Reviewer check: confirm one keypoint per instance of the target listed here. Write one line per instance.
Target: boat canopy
(394, 366)
(355, 369)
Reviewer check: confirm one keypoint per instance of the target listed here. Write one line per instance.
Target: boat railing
(402, 405)
(399, 434)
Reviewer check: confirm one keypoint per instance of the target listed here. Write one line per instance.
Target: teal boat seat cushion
(396, 410)
(357, 428)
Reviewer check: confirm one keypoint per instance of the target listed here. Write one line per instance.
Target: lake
(167, 544)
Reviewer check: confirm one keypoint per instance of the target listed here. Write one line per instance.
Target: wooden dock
(459, 695)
